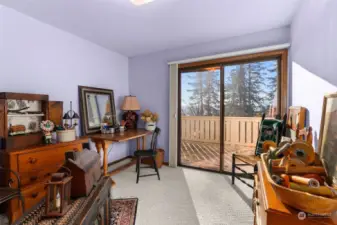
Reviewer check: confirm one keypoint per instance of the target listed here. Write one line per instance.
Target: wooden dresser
(34, 166)
(269, 210)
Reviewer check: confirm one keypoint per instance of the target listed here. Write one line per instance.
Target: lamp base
(131, 119)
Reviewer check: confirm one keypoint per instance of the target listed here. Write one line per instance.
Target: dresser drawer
(34, 195)
(31, 177)
(36, 161)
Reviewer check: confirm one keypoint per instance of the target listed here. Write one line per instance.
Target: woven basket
(303, 201)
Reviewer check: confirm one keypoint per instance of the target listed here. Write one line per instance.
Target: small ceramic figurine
(47, 127)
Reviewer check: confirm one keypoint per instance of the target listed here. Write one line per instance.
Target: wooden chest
(269, 210)
(34, 166)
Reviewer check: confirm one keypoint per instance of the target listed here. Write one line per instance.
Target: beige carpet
(185, 197)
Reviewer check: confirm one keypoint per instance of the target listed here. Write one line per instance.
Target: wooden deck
(207, 155)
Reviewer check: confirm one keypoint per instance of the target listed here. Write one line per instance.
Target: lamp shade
(130, 103)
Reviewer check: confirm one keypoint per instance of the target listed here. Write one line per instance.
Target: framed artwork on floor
(328, 136)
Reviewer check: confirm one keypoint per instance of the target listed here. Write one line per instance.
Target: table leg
(98, 146)
(105, 147)
(144, 142)
(138, 144)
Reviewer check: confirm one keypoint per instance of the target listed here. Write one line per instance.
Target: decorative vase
(150, 126)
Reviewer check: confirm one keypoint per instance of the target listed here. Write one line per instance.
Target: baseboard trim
(124, 167)
(117, 161)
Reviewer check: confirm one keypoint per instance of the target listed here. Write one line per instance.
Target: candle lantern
(58, 194)
(67, 132)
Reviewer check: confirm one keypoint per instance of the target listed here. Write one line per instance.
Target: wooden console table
(269, 210)
(102, 141)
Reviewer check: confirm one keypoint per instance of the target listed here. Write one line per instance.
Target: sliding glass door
(200, 118)
(220, 107)
(250, 90)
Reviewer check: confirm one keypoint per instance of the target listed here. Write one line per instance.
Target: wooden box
(85, 168)
(20, 117)
(270, 210)
(306, 202)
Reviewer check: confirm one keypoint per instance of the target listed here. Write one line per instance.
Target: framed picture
(328, 136)
(97, 106)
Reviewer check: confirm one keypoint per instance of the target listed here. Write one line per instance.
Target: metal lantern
(58, 194)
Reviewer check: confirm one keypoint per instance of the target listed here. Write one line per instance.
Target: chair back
(270, 130)
(155, 134)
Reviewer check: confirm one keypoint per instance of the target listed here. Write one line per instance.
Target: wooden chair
(7, 193)
(152, 152)
(270, 129)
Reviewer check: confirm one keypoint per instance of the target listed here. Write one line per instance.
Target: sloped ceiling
(163, 24)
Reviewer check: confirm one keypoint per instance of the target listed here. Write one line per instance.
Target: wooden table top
(121, 137)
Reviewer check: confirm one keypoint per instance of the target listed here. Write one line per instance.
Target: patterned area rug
(123, 211)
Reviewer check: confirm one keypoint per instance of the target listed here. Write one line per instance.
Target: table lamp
(130, 104)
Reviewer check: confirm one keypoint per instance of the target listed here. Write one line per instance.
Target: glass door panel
(199, 134)
(250, 89)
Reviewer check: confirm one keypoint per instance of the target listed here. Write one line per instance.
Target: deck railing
(238, 130)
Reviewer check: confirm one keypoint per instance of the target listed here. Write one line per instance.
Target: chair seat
(249, 159)
(149, 152)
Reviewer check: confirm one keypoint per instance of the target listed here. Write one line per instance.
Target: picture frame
(328, 136)
(97, 106)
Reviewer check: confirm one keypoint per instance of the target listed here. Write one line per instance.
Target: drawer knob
(34, 195)
(32, 160)
(47, 175)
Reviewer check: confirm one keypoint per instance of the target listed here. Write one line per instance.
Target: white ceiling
(163, 24)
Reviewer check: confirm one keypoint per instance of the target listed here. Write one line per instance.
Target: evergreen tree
(211, 93)
(250, 89)
(271, 81)
(196, 103)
